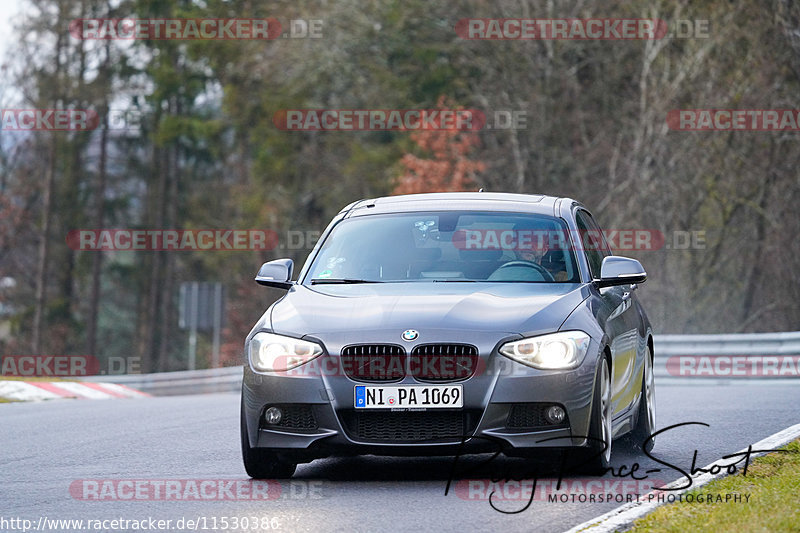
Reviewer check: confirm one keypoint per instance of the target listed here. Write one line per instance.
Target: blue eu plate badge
(360, 395)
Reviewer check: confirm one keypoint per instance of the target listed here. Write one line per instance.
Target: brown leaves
(448, 169)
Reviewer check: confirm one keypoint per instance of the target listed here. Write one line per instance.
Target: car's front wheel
(646, 416)
(260, 463)
(599, 448)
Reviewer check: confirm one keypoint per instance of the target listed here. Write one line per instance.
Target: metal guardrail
(226, 379)
(740, 351)
(786, 343)
(229, 379)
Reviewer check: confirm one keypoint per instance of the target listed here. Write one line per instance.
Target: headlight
(561, 350)
(276, 353)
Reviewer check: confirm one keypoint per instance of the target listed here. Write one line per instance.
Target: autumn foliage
(448, 169)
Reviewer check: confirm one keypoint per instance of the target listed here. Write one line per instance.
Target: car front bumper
(490, 394)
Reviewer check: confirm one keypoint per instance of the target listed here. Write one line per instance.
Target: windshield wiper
(455, 281)
(341, 281)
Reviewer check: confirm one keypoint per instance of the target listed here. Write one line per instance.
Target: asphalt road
(47, 448)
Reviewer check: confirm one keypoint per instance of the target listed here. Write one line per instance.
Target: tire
(262, 463)
(646, 414)
(598, 460)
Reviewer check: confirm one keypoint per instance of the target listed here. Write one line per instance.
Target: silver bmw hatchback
(449, 323)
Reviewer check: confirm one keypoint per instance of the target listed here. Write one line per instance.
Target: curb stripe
(54, 390)
(81, 391)
(49, 386)
(24, 392)
(104, 390)
(124, 390)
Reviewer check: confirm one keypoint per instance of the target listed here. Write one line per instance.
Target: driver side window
(592, 242)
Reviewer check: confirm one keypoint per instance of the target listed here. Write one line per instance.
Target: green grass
(773, 483)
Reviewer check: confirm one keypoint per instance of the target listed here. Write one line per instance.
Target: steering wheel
(521, 263)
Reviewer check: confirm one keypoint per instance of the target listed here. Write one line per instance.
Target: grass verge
(773, 484)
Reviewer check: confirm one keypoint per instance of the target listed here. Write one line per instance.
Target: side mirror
(620, 271)
(277, 273)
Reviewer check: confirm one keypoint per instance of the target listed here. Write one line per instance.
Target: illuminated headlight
(276, 353)
(561, 350)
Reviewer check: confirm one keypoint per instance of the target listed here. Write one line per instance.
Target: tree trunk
(44, 252)
(97, 257)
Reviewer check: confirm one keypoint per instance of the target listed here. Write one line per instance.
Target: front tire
(599, 449)
(262, 463)
(646, 416)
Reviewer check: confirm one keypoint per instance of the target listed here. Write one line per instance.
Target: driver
(534, 246)
(531, 243)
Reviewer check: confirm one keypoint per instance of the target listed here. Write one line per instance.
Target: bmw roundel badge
(410, 335)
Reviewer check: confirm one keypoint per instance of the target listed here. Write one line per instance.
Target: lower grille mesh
(407, 426)
(529, 415)
(295, 416)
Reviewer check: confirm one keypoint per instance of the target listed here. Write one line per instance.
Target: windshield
(451, 246)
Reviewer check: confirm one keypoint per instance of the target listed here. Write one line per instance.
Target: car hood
(515, 308)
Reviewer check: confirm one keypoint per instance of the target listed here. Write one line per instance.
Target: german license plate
(408, 396)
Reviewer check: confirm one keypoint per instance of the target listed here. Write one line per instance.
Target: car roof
(449, 201)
